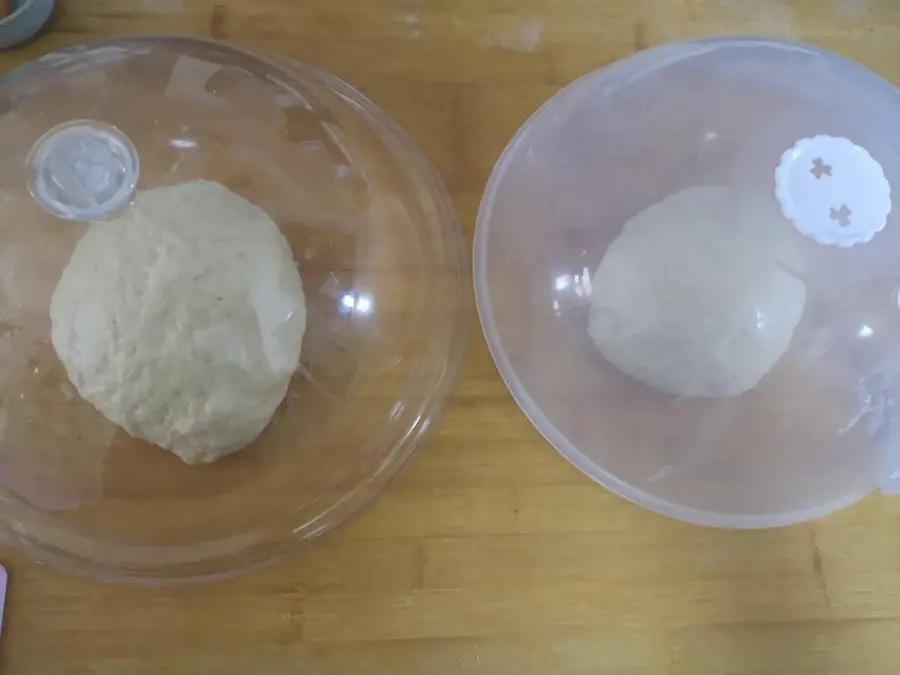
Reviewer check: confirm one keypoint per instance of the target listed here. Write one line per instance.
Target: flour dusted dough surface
(182, 320)
(691, 302)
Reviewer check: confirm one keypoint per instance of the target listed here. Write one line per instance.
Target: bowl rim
(362, 491)
(626, 70)
(18, 9)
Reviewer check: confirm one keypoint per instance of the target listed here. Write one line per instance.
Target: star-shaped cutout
(841, 215)
(820, 168)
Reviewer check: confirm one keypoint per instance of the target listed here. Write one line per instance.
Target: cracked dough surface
(182, 319)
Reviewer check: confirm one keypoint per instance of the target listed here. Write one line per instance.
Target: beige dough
(182, 320)
(690, 301)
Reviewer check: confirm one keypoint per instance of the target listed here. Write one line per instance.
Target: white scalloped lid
(836, 193)
(833, 191)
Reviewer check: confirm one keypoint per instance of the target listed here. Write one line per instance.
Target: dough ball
(691, 302)
(182, 320)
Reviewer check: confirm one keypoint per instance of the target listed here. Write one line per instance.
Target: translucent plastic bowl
(379, 252)
(801, 147)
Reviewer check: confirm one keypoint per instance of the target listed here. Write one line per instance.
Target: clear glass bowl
(728, 358)
(378, 248)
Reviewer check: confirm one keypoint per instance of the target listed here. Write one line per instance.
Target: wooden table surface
(490, 554)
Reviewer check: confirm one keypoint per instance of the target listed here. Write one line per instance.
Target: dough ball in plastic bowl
(232, 301)
(687, 268)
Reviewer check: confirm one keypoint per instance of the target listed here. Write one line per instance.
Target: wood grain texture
(490, 554)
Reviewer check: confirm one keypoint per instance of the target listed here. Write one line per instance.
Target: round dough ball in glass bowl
(232, 301)
(687, 268)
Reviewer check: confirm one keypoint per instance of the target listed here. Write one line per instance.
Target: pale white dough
(182, 320)
(690, 299)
